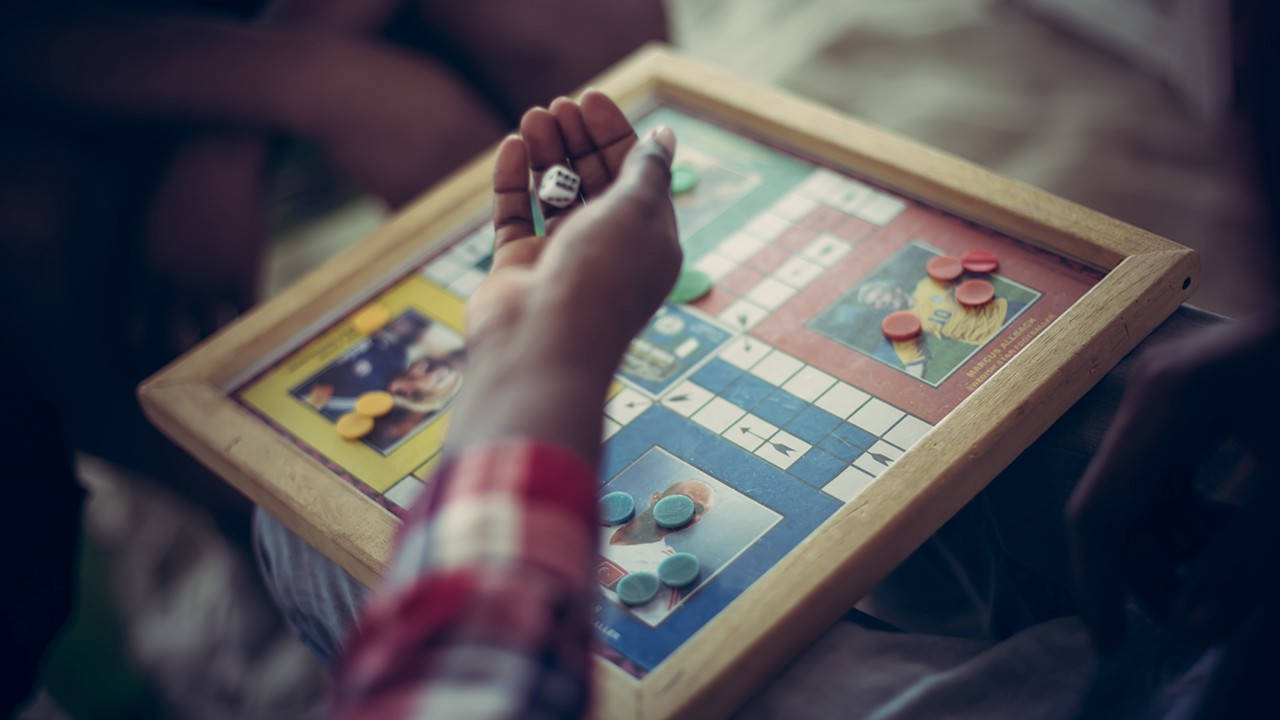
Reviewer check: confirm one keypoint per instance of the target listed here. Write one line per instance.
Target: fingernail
(666, 138)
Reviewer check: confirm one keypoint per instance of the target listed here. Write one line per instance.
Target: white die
(559, 186)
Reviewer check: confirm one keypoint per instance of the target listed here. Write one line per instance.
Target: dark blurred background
(125, 162)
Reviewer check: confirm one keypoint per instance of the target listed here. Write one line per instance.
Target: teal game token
(673, 511)
(679, 570)
(683, 178)
(637, 588)
(617, 508)
(690, 285)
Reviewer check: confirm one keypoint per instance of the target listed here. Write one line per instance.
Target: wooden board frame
(718, 668)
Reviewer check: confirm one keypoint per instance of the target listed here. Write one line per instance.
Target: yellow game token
(371, 319)
(374, 404)
(353, 427)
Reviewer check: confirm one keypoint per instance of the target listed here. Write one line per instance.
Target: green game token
(637, 588)
(673, 511)
(679, 570)
(691, 285)
(617, 508)
(683, 179)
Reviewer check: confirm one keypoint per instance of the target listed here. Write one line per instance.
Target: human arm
(485, 611)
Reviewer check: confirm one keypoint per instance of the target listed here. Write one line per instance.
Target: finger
(541, 135)
(583, 154)
(512, 213)
(646, 170)
(608, 128)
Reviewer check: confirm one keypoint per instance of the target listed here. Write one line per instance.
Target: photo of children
(951, 333)
(417, 360)
(718, 187)
(725, 522)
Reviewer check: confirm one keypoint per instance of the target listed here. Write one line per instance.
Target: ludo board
(819, 452)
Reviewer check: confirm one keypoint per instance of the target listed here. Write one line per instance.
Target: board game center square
(839, 448)
(443, 270)
(766, 226)
(880, 209)
(908, 431)
(854, 436)
(878, 458)
(716, 374)
(740, 246)
(809, 383)
(776, 368)
(718, 414)
(770, 293)
(793, 206)
(848, 484)
(817, 467)
(779, 407)
(769, 259)
(743, 314)
(747, 391)
(842, 399)
(405, 492)
(745, 352)
(741, 280)
(610, 429)
(876, 417)
(812, 424)
(825, 250)
(750, 431)
(782, 449)
(686, 398)
(715, 265)
(627, 406)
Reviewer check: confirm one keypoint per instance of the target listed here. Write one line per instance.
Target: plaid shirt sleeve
(485, 610)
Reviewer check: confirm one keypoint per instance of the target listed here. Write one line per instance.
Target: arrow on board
(786, 450)
(678, 398)
(882, 459)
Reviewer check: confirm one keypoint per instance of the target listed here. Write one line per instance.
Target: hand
(1136, 520)
(549, 326)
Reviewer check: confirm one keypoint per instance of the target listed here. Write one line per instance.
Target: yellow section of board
(270, 394)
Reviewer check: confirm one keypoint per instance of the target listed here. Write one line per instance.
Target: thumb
(646, 171)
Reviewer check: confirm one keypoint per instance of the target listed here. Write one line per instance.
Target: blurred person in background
(134, 153)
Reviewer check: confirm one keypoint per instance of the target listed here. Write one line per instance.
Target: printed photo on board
(950, 332)
(417, 360)
(725, 522)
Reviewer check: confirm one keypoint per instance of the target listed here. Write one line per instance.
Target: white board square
(405, 492)
(876, 416)
(878, 458)
(793, 206)
(783, 449)
(797, 272)
(743, 314)
(740, 246)
(848, 484)
(444, 270)
(686, 398)
(745, 352)
(718, 415)
(776, 368)
(908, 431)
(880, 209)
(767, 226)
(626, 406)
(715, 265)
(770, 293)
(750, 431)
(841, 400)
(809, 383)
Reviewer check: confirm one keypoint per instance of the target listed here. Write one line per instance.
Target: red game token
(975, 293)
(901, 325)
(944, 269)
(979, 260)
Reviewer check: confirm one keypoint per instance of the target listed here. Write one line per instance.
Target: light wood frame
(786, 609)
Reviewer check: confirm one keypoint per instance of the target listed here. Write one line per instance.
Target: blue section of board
(854, 435)
(839, 448)
(747, 391)
(779, 407)
(812, 424)
(817, 467)
(801, 507)
(715, 375)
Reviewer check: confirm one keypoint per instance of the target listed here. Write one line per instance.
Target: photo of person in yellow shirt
(950, 332)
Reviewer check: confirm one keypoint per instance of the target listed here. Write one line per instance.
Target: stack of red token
(979, 260)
